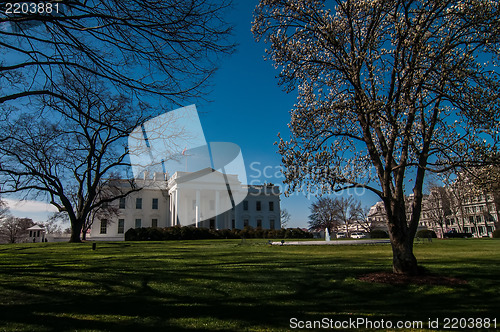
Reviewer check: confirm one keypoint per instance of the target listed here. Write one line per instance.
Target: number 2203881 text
(31, 8)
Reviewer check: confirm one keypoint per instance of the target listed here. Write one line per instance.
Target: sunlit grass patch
(230, 285)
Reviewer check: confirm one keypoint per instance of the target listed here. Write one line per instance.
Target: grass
(230, 285)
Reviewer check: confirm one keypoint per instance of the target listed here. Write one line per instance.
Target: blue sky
(249, 108)
(246, 107)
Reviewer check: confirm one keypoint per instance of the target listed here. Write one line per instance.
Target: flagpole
(185, 156)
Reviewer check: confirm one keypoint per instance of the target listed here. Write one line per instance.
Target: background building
(448, 209)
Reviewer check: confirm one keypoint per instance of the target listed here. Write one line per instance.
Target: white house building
(199, 199)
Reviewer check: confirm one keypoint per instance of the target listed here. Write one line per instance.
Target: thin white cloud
(28, 206)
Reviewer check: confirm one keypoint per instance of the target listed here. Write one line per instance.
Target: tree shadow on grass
(216, 290)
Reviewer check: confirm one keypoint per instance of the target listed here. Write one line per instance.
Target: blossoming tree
(387, 91)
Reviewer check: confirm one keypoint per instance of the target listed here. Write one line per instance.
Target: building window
(104, 226)
(138, 223)
(233, 224)
(122, 203)
(245, 205)
(155, 204)
(272, 224)
(258, 206)
(154, 222)
(271, 206)
(245, 222)
(121, 226)
(138, 203)
(259, 223)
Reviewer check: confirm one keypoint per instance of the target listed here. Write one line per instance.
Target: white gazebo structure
(36, 234)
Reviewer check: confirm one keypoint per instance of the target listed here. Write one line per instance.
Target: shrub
(225, 234)
(426, 233)
(297, 233)
(187, 233)
(155, 234)
(192, 233)
(496, 234)
(247, 232)
(131, 235)
(379, 234)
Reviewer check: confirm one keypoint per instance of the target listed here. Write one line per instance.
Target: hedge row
(426, 234)
(379, 234)
(192, 233)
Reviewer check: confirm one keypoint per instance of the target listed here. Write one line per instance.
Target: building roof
(36, 228)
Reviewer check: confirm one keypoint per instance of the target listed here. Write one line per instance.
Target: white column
(236, 217)
(171, 211)
(217, 209)
(197, 209)
(176, 206)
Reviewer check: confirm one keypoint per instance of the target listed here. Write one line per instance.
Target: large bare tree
(324, 214)
(387, 91)
(14, 230)
(75, 81)
(71, 152)
(284, 218)
(438, 207)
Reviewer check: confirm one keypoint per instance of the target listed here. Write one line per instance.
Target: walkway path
(335, 242)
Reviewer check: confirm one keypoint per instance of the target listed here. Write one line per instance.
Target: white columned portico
(176, 207)
(236, 217)
(171, 211)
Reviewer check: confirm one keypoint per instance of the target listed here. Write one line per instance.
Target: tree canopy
(332, 213)
(167, 48)
(70, 153)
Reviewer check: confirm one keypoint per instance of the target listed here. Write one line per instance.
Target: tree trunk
(403, 260)
(76, 230)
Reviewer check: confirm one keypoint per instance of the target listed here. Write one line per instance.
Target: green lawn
(230, 285)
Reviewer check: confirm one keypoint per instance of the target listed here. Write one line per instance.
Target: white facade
(187, 199)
